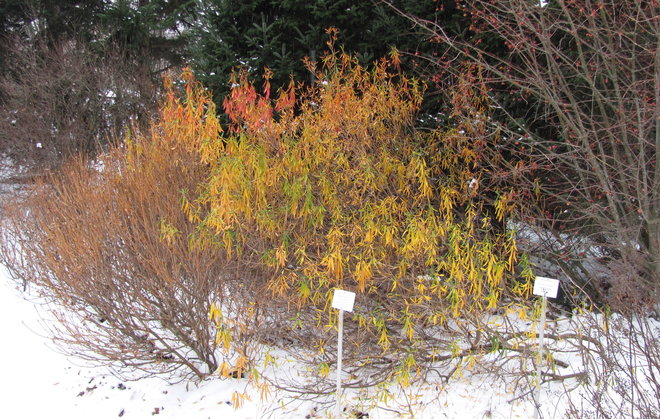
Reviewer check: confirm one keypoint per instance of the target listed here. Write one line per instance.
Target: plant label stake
(342, 301)
(543, 287)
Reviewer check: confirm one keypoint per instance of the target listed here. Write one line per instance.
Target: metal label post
(343, 301)
(543, 287)
(340, 339)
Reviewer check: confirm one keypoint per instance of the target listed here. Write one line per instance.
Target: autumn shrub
(108, 246)
(333, 187)
(192, 245)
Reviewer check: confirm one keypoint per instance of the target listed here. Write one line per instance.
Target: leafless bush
(621, 358)
(109, 248)
(588, 137)
(63, 99)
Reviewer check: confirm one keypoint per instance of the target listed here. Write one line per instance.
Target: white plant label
(546, 287)
(343, 300)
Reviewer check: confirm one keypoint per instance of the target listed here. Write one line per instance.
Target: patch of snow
(39, 382)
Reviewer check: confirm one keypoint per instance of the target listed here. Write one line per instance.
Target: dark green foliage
(153, 31)
(12, 17)
(150, 31)
(64, 19)
(280, 34)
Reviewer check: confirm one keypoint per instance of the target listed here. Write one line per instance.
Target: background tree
(589, 139)
(75, 74)
(153, 32)
(13, 16)
(62, 99)
(280, 34)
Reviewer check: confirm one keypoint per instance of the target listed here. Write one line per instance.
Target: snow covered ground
(39, 382)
